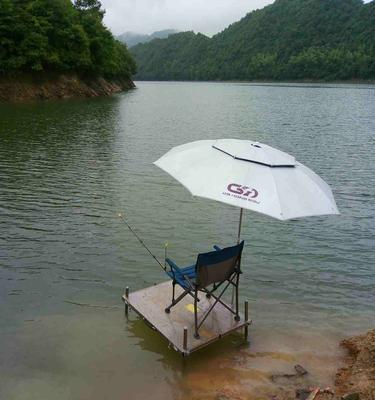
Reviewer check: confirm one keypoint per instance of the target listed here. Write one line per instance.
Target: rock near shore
(47, 86)
(356, 380)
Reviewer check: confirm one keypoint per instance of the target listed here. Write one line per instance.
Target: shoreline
(354, 378)
(266, 82)
(28, 87)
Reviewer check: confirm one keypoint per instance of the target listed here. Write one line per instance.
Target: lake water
(67, 169)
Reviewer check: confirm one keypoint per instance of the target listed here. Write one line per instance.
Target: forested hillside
(59, 36)
(289, 39)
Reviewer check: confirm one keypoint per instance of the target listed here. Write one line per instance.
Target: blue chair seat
(179, 275)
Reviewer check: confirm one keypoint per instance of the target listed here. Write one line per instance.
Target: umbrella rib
(253, 161)
(223, 151)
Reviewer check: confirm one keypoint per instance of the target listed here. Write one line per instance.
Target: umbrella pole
(238, 242)
(239, 227)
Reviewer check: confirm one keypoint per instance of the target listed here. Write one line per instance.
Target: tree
(89, 5)
(45, 35)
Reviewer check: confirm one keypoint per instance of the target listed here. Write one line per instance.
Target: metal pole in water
(185, 337)
(126, 301)
(246, 319)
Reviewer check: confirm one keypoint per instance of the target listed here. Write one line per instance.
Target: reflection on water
(67, 168)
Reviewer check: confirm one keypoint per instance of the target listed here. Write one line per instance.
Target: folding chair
(218, 268)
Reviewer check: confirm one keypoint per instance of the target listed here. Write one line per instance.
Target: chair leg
(174, 302)
(237, 316)
(168, 309)
(196, 335)
(217, 300)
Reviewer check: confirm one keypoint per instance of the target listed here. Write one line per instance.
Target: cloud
(146, 16)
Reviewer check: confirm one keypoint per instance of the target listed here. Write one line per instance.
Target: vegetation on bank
(61, 36)
(287, 40)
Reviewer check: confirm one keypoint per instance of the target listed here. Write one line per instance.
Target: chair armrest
(173, 265)
(175, 268)
(217, 248)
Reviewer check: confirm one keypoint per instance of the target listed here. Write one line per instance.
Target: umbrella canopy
(249, 175)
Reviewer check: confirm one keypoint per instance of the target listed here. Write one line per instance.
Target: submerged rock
(352, 396)
(302, 394)
(300, 370)
(280, 377)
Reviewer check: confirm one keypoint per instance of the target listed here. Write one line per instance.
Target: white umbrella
(249, 175)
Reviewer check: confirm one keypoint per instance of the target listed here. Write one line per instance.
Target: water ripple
(68, 168)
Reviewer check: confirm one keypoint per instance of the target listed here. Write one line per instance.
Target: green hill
(59, 36)
(289, 39)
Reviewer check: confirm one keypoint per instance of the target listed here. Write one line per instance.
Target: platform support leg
(185, 338)
(237, 316)
(126, 301)
(246, 319)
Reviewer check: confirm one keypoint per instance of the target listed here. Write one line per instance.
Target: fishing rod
(143, 243)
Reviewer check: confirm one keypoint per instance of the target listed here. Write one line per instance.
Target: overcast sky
(147, 16)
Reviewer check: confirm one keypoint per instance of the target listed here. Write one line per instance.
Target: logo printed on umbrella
(242, 192)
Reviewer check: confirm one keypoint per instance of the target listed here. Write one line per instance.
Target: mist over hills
(289, 39)
(132, 38)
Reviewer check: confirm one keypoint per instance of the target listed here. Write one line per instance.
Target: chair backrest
(217, 266)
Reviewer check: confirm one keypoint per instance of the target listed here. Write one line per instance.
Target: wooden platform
(149, 303)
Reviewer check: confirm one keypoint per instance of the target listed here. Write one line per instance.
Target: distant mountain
(287, 40)
(131, 38)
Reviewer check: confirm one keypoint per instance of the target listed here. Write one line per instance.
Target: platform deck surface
(150, 303)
